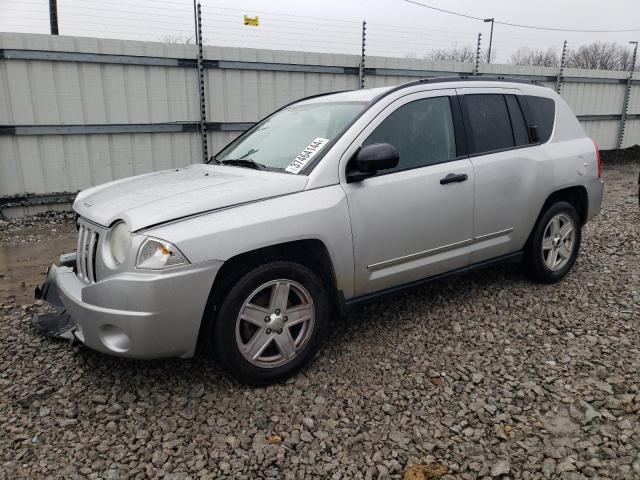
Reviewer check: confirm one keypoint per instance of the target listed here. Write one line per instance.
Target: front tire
(270, 323)
(553, 247)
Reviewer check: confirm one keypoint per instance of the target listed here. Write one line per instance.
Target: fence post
(477, 65)
(53, 16)
(200, 62)
(627, 94)
(362, 53)
(563, 59)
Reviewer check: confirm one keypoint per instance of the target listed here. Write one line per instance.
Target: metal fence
(77, 112)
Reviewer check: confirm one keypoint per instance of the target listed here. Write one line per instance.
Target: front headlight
(118, 240)
(155, 254)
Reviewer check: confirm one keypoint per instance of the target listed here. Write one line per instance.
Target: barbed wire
(327, 19)
(518, 25)
(172, 21)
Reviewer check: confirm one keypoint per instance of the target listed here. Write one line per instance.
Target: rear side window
(490, 123)
(520, 134)
(422, 132)
(543, 111)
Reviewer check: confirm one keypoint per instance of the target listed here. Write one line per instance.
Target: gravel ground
(483, 376)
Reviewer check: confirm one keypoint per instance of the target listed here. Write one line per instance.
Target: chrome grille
(86, 253)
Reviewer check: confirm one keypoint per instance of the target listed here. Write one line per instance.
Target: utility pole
(53, 16)
(487, 20)
(627, 94)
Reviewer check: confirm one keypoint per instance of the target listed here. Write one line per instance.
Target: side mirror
(371, 159)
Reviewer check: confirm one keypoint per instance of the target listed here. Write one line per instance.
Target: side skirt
(375, 296)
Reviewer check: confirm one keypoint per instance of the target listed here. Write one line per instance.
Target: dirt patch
(25, 256)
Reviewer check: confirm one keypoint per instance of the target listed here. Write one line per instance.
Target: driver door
(406, 224)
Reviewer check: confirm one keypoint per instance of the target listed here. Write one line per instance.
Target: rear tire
(554, 244)
(270, 323)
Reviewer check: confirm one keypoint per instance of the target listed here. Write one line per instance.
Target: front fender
(320, 214)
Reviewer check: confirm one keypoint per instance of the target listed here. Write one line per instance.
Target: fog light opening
(114, 338)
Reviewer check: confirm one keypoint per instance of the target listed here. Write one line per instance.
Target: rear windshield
(544, 112)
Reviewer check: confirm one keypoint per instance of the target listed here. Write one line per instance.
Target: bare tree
(626, 58)
(455, 54)
(600, 56)
(538, 57)
(596, 55)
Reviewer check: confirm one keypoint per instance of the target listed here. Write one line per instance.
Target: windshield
(289, 139)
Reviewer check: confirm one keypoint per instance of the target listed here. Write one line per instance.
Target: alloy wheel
(558, 241)
(275, 323)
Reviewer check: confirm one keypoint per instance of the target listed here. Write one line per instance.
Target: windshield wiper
(244, 162)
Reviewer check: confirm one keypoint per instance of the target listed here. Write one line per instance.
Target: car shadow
(395, 311)
(398, 309)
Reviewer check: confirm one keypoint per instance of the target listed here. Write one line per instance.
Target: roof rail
(309, 98)
(464, 78)
(479, 78)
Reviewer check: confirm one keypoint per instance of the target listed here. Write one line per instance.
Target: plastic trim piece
(375, 296)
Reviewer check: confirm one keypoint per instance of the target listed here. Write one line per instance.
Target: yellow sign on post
(252, 21)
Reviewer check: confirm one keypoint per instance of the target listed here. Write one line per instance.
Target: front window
(422, 132)
(291, 139)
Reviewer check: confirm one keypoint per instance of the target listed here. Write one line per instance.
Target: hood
(159, 197)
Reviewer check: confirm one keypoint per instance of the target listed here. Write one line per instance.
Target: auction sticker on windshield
(307, 154)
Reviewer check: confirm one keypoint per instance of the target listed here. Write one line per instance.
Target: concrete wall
(150, 92)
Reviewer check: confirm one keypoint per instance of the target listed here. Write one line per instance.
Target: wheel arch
(575, 195)
(311, 252)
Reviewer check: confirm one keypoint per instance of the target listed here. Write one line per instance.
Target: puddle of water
(22, 267)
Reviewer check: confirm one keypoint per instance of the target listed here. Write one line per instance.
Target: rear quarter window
(544, 111)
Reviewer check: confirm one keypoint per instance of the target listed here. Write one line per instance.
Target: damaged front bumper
(57, 324)
(135, 314)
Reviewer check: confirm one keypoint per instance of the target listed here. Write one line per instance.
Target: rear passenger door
(509, 170)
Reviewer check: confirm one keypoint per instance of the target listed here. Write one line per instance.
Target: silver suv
(329, 202)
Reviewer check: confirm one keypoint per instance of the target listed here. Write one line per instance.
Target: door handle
(453, 177)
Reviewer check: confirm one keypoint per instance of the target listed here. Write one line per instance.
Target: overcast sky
(395, 27)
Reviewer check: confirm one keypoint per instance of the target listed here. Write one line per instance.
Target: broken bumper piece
(56, 324)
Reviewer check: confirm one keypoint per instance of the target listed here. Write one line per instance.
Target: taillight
(598, 156)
